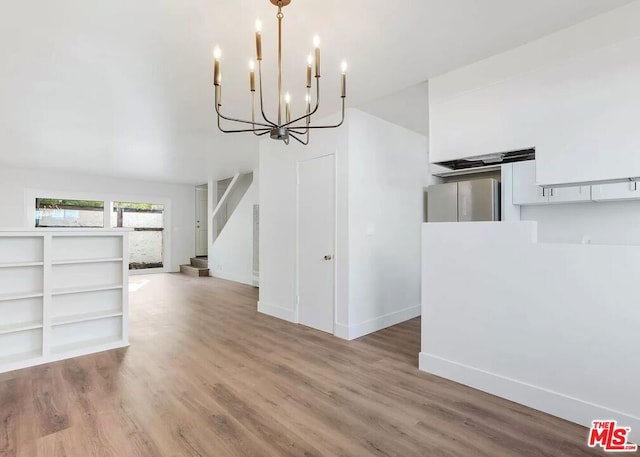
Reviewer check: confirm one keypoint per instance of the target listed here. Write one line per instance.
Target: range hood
(490, 159)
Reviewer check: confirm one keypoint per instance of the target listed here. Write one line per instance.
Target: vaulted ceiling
(124, 87)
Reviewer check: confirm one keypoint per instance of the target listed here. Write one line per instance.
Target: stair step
(194, 271)
(200, 262)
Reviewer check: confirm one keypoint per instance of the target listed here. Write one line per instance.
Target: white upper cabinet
(581, 112)
(591, 130)
(613, 192)
(527, 192)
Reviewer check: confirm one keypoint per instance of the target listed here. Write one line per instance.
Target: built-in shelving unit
(64, 294)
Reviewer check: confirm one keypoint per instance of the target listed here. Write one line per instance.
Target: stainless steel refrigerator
(465, 201)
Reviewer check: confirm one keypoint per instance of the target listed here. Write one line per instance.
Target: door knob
(328, 257)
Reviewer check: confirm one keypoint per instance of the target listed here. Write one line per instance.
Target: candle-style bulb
(344, 67)
(287, 99)
(252, 76)
(309, 64)
(316, 44)
(217, 53)
(258, 39)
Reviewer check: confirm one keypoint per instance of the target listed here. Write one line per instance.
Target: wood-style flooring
(206, 375)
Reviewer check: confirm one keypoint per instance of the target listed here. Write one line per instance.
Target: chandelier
(280, 129)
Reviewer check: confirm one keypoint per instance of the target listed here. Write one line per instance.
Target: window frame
(30, 196)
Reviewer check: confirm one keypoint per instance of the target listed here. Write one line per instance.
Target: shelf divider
(80, 290)
(21, 264)
(86, 261)
(84, 317)
(15, 297)
(20, 327)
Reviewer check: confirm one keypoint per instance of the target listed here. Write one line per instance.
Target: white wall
(381, 171)
(17, 185)
(551, 326)
(231, 254)
(387, 173)
(573, 95)
(408, 108)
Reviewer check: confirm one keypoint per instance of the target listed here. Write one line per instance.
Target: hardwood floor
(206, 375)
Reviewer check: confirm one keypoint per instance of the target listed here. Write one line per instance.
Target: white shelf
(20, 327)
(21, 264)
(85, 317)
(5, 360)
(87, 345)
(11, 297)
(81, 290)
(66, 293)
(85, 261)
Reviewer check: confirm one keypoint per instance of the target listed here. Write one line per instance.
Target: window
(52, 212)
(146, 242)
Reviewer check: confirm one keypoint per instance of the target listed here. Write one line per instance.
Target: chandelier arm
(263, 130)
(331, 126)
(306, 130)
(226, 118)
(304, 143)
(264, 116)
(253, 113)
(303, 132)
(239, 131)
(308, 116)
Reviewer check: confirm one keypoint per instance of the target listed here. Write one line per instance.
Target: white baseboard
(352, 332)
(5, 368)
(288, 315)
(554, 403)
(231, 277)
(341, 331)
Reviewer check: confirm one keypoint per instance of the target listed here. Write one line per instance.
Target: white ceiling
(124, 88)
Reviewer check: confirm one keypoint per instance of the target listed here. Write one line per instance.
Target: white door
(202, 206)
(316, 232)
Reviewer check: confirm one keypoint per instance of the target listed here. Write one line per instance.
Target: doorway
(202, 221)
(316, 243)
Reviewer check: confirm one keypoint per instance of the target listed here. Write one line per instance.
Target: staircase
(199, 267)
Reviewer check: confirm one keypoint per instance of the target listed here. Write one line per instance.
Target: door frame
(335, 237)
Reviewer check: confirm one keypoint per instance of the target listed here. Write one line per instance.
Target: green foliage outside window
(54, 203)
(138, 206)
